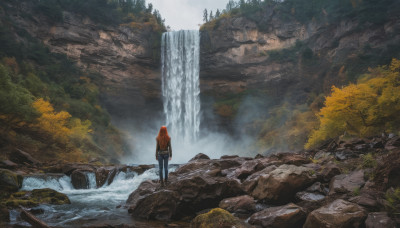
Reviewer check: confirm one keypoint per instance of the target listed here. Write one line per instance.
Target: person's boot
(166, 182)
(162, 183)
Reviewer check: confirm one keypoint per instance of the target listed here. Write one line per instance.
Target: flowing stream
(89, 207)
(180, 59)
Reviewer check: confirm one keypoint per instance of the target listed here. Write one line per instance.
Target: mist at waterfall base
(189, 131)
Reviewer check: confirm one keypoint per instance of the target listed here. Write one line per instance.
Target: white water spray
(180, 58)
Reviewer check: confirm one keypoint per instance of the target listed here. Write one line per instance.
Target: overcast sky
(185, 14)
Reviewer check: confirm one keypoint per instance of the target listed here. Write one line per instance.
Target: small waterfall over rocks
(180, 58)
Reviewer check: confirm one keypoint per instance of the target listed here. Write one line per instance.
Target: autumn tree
(364, 109)
(52, 122)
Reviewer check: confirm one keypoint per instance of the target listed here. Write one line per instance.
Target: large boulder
(79, 179)
(240, 204)
(328, 171)
(345, 183)
(248, 168)
(200, 156)
(9, 182)
(161, 205)
(286, 216)
(339, 213)
(195, 186)
(281, 184)
(251, 181)
(20, 157)
(379, 220)
(216, 218)
(36, 197)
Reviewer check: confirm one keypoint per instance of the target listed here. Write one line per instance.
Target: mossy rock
(49, 196)
(9, 181)
(217, 217)
(14, 203)
(35, 197)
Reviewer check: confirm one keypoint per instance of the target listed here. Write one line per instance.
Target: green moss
(13, 203)
(368, 161)
(36, 197)
(49, 196)
(217, 217)
(392, 197)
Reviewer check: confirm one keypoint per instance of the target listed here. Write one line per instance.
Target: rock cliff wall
(127, 57)
(288, 60)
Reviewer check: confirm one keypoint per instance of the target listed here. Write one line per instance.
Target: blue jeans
(163, 162)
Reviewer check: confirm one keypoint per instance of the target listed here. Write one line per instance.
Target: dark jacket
(169, 149)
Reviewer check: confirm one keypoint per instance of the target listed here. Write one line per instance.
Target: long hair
(163, 137)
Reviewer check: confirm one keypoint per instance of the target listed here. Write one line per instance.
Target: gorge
(273, 107)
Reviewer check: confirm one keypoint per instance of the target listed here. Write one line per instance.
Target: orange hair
(163, 138)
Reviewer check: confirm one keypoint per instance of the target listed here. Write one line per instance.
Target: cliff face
(288, 61)
(234, 53)
(126, 57)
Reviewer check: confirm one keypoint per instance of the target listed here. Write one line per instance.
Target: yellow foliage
(369, 107)
(51, 121)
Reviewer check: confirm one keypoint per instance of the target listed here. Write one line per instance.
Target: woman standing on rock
(163, 152)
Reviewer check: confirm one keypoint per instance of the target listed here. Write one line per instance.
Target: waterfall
(180, 58)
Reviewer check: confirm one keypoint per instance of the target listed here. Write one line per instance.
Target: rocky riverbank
(351, 183)
(344, 184)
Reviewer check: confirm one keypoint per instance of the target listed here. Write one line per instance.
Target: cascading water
(180, 58)
(87, 205)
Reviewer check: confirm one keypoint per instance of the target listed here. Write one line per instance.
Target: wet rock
(67, 169)
(309, 196)
(292, 159)
(216, 218)
(377, 143)
(339, 213)
(161, 205)
(49, 196)
(21, 157)
(363, 148)
(199, 156)
(229, 156)
(393, 143)
(9, 181)
(8, 164)
(251, 181)
(289, 215)
(281, 184)
(101, 176)
(248, 168)
(145, 188)
(4, 215)
(328, 171)
(241, 204)
(316, 187)
(379, 220)
(345, 154)
(35, 197)
(112, 175)
(345, 183)
(322, 155)
(196, 185)
(79, 179)
(366, 200)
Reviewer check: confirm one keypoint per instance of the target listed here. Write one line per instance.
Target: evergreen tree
(217, 14)
(205, 15)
